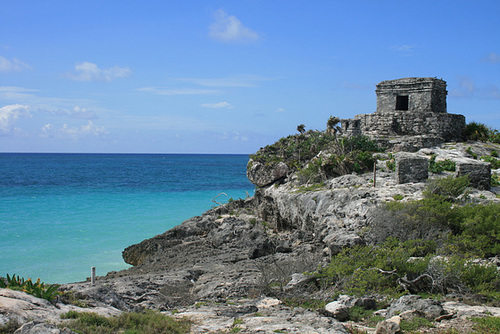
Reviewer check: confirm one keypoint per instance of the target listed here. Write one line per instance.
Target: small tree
(331, 125)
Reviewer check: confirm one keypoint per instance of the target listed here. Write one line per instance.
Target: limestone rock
(389, 326)
(428, 308)
(465, 311)
(21, 307)
(263, 175)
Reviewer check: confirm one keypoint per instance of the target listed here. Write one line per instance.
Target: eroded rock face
(262, 174)
(427, 308)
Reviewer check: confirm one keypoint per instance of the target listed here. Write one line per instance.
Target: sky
(227, 76)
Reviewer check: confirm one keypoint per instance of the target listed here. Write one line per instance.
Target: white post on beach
(92, 276)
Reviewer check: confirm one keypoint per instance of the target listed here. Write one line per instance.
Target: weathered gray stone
(479, 172)
(389, 326)
(263, 175)
(340, 239)
(428, 308)
(411, 168)
(338, 310)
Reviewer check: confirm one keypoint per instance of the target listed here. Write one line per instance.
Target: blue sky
(227, 76)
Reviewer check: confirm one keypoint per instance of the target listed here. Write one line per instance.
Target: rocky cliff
(224, 263)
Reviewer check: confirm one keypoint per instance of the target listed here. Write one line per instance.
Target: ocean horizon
(63, 213)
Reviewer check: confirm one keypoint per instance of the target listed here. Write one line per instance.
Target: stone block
(479, 172)
(411, 168)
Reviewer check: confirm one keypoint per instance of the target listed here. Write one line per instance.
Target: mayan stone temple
(409, 107)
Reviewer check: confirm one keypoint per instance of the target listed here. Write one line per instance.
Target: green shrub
(495, 163)
(440, 166)
(426, 219)
(447, 188)
(146, 322)
(477, 131)
(363, 269)
(487, 325)
(393, 267)
(415, 324)
(479, 230)
(348, 154)
(312, 173)
(495, 180)
(391, 164)
(37, 289)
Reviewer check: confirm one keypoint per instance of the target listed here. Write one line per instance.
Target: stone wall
(449, 127)
(423, 95)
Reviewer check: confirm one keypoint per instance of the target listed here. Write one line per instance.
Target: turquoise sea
(61, 214)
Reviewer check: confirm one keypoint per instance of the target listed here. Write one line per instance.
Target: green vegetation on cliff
(300, 152)
(480, 132)
(433, 245)
(37, 289)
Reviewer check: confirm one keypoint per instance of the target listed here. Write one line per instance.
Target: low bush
(343, 155)
(477, 131)
(479, 230)
(130, 323)
(447, 188)
(495, 163)
(487, 325)
(440, 166)
(37, 289)
(394, 267)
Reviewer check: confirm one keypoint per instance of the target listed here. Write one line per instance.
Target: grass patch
(415, 324)
(311, 188)
(487, 325)
(398, 197)
(128, 323)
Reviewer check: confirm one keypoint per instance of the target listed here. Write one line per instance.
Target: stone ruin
(411, 114)
(409, 107)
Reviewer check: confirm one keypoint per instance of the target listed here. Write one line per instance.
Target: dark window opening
(402, 102)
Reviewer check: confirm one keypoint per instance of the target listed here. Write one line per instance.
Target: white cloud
(232, 135)
(493, 92)
(492, 58)
(73, 132)
(9, 115)
(404, 49)
(280, 110)
(14, 65)
(16, 93)
(227, 28)
(176, 91)
(87, 71)
(83, 113)
(466, 88)
(239, 81)
(218, 105)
